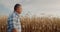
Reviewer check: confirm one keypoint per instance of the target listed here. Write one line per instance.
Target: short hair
(17, 5)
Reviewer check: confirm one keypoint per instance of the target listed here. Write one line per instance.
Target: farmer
(14, 24)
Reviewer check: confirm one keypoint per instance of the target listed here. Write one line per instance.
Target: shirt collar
(16, 13)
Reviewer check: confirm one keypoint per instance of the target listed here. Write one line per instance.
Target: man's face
(19, 9)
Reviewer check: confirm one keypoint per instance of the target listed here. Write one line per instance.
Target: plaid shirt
(14, 22)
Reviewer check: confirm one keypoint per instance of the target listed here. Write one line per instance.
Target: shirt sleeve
(12, 23)
(15, 22)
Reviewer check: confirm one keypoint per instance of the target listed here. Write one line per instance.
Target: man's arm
(14, 30)
(14, 24)
(11, 25)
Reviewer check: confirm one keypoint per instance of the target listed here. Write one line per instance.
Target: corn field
(34, 24)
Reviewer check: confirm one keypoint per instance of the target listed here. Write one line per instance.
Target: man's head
(18, 8)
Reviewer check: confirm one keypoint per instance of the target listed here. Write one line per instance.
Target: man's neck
(17, 13)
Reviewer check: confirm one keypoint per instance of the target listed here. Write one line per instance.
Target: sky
(32, 7)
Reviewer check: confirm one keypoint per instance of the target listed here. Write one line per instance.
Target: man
(14, 24)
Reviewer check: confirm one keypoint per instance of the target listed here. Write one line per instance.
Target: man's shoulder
(13, 15)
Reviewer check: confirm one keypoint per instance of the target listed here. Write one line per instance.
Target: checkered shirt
(14, 22)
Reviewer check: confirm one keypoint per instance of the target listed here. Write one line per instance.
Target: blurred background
(37, 15)
(32, 7)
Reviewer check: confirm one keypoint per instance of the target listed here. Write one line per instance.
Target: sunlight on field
(34, 24)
